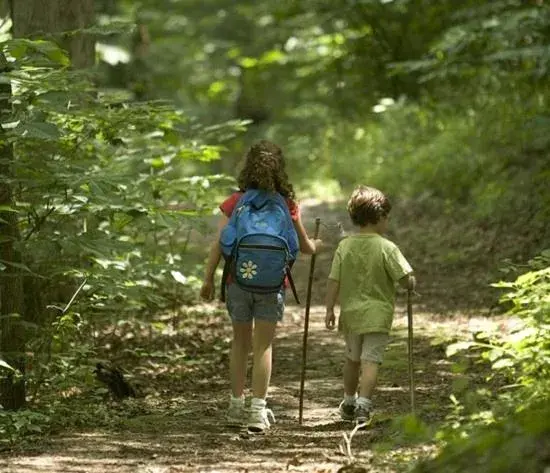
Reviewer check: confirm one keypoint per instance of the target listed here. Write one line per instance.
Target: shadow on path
(187, 433)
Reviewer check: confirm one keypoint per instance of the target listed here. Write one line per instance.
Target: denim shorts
(244, 306)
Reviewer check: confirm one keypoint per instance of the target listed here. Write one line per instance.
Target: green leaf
(7, 208)
(457, 347)
(273, 56)
(503, 363)
(527, 278)
(38, 130)
(58, 56)
(17, 49)
(157, 163)
(22, 266)
(248, 62)
(55, 99)
(209, 154)
(179, 277)
(21, 47)
(34, 428)
(5, 365)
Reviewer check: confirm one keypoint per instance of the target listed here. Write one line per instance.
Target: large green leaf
(18, 48)
(38, 131)
(5, 365)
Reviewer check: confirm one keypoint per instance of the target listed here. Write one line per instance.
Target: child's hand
(207, 290)
(330, 319)
(411, 286)
(318, 245)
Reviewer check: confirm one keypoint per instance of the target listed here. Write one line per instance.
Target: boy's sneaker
(259, 419)
(235, 415)
(347, 411)
(363, 414)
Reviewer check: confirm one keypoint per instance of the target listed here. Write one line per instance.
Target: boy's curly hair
(264, 168)
(367, 205)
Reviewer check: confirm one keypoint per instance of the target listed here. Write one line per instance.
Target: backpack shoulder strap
(227, 259)
(292, 285)
(225, 273)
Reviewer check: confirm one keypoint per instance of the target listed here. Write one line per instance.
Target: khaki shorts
(366, 346)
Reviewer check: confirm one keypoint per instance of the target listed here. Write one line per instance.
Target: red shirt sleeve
(294, 210)
(229, 204)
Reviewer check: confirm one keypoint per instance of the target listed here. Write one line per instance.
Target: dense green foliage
(512, 432)
(107, 202)
(411, 100)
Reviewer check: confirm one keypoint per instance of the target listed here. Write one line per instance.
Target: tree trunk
(5, 8)
(40, 18)
(12, 332)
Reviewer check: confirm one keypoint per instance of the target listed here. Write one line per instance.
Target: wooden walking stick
(410, 347)
(306, 323)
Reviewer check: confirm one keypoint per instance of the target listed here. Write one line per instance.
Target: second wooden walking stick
(306, 323)
(410, 347)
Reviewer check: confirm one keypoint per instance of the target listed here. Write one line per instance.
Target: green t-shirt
(367, 266)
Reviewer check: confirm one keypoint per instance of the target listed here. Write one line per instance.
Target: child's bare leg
(369, 376)
(240, 348)
(264, 333)
(352, 367)
(351, 376)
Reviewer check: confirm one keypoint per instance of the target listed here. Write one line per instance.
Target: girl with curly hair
(254, 316)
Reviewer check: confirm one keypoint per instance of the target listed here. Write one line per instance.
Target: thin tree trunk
(12, 332)
(5, 8)
(43, 18)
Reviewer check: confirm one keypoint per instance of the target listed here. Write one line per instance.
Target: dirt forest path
(181, 428)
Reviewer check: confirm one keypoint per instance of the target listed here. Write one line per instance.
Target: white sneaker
(363, 414)
(259, 419)
(346, 411)
(235, 415)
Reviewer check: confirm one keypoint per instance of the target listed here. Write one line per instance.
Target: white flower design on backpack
(248, 270)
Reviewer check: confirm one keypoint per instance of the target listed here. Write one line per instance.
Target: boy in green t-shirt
(364, 271)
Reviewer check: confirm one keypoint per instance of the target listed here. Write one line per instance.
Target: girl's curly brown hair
(264, 168)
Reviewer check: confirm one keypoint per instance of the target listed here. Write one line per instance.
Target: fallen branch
(64, 310)
(345, 444)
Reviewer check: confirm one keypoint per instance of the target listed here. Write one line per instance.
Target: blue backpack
(259, 243)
